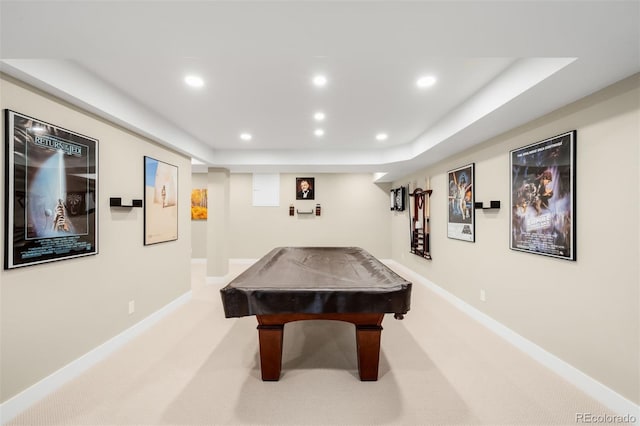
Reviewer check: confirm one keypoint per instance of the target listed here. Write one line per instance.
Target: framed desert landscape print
(51, 181)
(160, 201)
(543, 197)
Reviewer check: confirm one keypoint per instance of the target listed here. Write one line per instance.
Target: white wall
(587, 312)
(355, 212)
(51, 314)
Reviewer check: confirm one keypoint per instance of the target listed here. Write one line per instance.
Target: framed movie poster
(305, 188)
(543, 197)
(51, 181)
(398, 197)
(461, 219)
(160, 201)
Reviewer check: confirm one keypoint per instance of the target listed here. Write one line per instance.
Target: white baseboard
(582, 381)
(25, 399)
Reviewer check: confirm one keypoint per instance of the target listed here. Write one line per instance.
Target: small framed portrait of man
(305, 188)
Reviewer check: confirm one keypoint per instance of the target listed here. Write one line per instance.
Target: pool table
(317, 283)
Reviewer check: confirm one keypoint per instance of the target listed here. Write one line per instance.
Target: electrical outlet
(483, 295)
(132, 306)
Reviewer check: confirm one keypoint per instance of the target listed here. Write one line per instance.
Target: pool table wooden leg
(368, 344)
(270, 337)
(368, 331)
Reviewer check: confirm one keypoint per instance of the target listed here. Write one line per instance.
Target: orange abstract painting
(199, 204)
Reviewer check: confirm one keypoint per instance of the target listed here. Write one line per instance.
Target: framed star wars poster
(461, 219)
(51, 200)
(543, 197)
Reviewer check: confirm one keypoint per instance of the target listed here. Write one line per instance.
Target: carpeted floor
(437, 367)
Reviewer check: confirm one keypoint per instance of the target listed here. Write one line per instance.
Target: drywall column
(218, 222)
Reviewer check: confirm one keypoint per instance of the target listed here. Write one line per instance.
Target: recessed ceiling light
(194, 81)
(319, 132)
(245, 136)
(382, 136)
(426, 81)
(319, 80)
(319, 116)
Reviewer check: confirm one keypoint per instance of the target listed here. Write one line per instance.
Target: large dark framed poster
(160, 201)
(51, 202)
(543, 197)
(461, 222)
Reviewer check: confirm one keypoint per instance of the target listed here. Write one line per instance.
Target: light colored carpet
(437, 367)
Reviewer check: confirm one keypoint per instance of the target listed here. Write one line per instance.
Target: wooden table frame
(368, 331)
